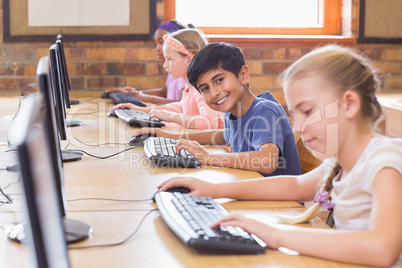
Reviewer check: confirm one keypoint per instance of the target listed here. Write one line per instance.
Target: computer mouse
(112, 113)
(179, 189)
(139, 140)
(183, 190)
(105, 95)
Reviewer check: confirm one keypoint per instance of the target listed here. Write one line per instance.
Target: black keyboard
(137, 118)
(189, 217)
(118, 97)
(162, 152)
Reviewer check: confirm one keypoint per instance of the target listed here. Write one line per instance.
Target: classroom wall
(99, 65)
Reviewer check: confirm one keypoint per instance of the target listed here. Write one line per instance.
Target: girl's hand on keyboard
(197, 187)
(163, 115)
(193, 148)
(131, 107)
(146, 130)
(118, 89)
(266, 232)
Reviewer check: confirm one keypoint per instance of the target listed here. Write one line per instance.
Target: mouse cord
(67, 145)
(19, 105)
(99, 157)
(88, 112)
(8, 196)
(108, 199)
(97, 145)
(89, 99)
(121, 242)
(18, 109)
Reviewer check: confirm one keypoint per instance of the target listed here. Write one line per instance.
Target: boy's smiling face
(223, 91)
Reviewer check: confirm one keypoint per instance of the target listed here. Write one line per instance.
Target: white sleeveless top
(353, 194)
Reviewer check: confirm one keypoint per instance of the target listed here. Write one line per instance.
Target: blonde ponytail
(312, 211)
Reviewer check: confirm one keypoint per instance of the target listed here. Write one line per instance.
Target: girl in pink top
(191, 112)
(173, 88)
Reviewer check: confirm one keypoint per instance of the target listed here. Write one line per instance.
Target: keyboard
(137, 118)
(189, 217)
(162, 152)
(118, 97)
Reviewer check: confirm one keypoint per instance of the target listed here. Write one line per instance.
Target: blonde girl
(173, 88)
(192, 111)
(331, 94)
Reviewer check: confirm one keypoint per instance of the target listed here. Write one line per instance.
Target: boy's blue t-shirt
(264, 122)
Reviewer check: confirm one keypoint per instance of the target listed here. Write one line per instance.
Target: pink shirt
(193, 104)
(173, 87)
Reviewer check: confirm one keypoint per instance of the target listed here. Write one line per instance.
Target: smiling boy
(256, 128)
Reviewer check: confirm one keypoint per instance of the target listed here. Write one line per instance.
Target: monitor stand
(71, 156)
(73, 123)
(74, 231)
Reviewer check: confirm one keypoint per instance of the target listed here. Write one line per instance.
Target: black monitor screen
(58, 98)
(65, 84)
(45, 228)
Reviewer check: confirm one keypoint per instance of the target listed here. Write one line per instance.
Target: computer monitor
(58, 99)
(57, 102)
(59, 43)
(64, 83)
(74, 230)
(45, 230)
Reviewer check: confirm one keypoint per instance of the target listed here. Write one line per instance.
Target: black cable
(9, 198)
(90, 99)
(18, 109)
(102, 157)
(108, 199)
(11, 183)
(19, 105)
(10, 150)
(67, 145)
(88, 112)
(98, 145)
(13, 168)
(121, 242)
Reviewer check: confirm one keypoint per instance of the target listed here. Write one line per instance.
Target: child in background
(173, 88)
(331, 94)
(191, 112)
(256, 128)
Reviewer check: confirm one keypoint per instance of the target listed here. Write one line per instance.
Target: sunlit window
(258, 16)
(251, 13)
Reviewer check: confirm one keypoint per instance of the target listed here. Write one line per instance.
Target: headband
(176, 45)
(169, 27)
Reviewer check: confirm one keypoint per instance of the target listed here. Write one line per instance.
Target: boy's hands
(193, 148)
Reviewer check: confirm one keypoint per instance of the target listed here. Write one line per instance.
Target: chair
(308, 161)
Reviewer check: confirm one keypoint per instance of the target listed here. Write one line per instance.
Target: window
(284, 17)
